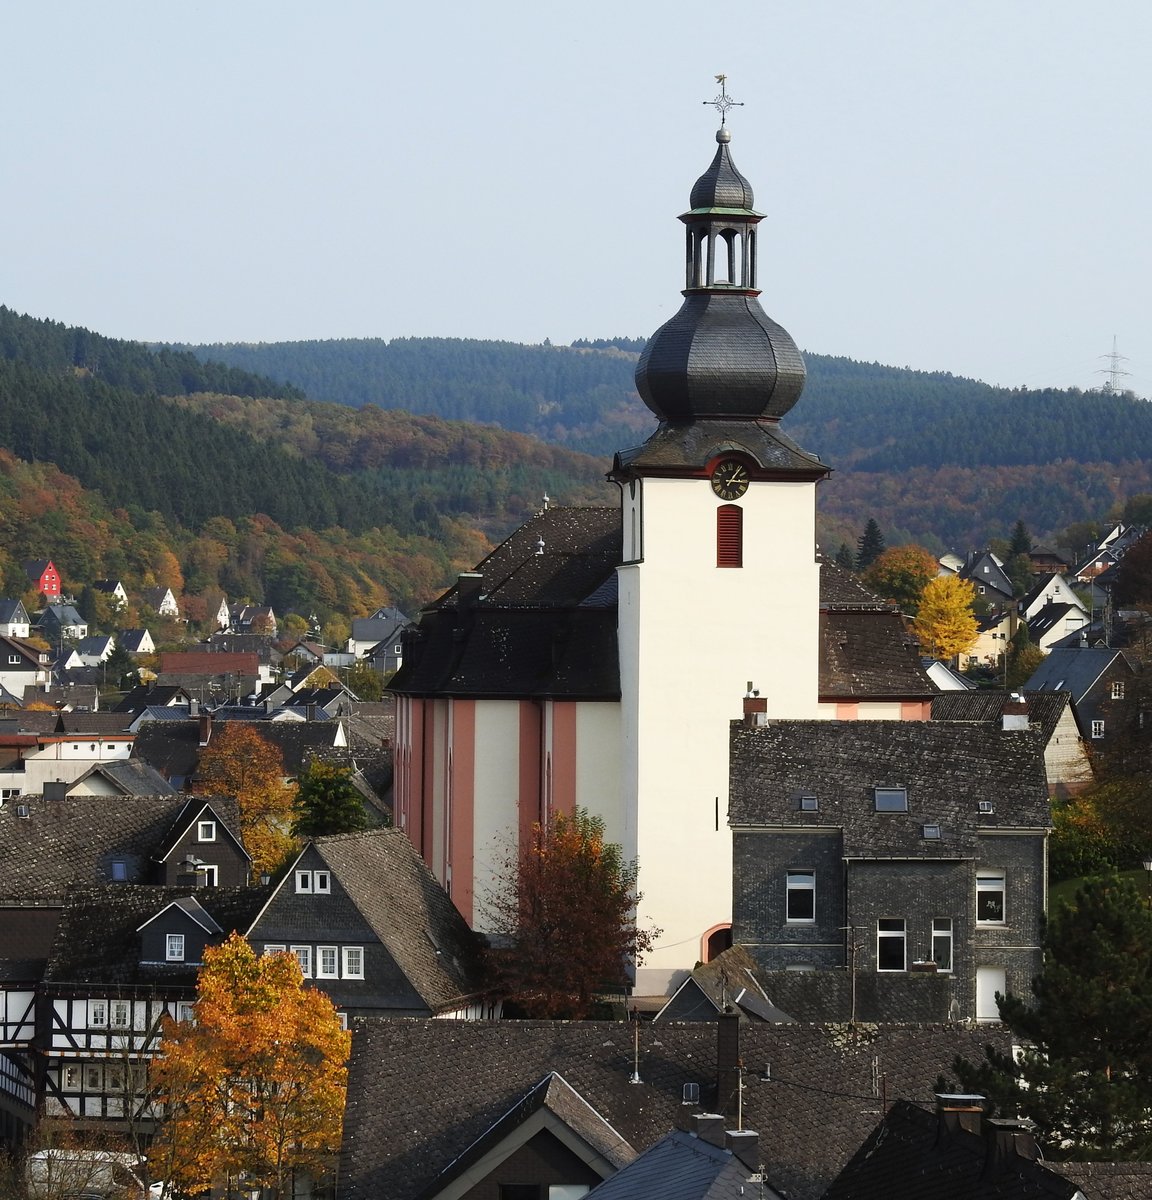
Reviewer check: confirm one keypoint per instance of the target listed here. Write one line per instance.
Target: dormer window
(891, 799)
(314, 882)
(809, 804)
(205, 831)
(304, 881)
(119, 871)
(174, 947)
(930, 832)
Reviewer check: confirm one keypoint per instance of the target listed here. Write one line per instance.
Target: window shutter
(729, 536)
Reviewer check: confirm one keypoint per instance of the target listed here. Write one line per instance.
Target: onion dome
(721, 356)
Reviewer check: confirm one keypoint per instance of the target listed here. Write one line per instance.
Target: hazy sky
(960, 187)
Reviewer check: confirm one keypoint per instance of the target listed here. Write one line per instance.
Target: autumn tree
(365, 682)
(239, 762)
(565, 902)
(869, 545)
(1084, 1076)
(945, 622)
(254, 1086)
(327, 801)
(900, 574)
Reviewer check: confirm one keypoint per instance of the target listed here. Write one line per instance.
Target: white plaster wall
(692, 635)
(497, 793)
(598, 765)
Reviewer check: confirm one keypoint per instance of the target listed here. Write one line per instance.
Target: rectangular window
(274, 948)
(174, 948)
(304, 958)
(1118, 689)
(809, 804)
(119, 871)
(942, 943)
(729, 536)
(1097, 729)
(931, 831)
(210, 874)
(121, 1014)
(326, 962)
(891, 799)
(990, 898)
(321, 882)
(13, 659)
(304, 881)
(98, 1013)
(342, 1017)
(70, 1079)
(206, 831)
(801, 899)
(891, 944)
(353, 962)
(93, 1077)
(186, 1012)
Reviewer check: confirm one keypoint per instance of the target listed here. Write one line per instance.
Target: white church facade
(597, 657)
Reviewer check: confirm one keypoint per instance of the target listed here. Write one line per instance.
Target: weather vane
(723, 102)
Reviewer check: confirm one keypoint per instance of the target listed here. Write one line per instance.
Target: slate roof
(13, 612)
(905, 1159)
(1108, 1181)
(172, 746)
(98, 940)
(692, 444)
(683, 1167)
(130, 640)
(840, 588)
(946, 767)
(1072, 670)
(389, 888)
(151, 696)
(421, 1092)
(727, 982)
(1050, 616)
(1044, 708)
(132, 776)
(62, 843)
(869, 654)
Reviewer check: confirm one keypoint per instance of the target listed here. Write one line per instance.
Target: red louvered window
(729, 536)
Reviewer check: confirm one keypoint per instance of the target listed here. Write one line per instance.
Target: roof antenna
(547, 501)
(540, 545)
(635, 1017)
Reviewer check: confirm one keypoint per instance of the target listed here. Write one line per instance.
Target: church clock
(730, 479)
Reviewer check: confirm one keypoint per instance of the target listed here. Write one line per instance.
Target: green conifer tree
(869, 545)
(327, 802)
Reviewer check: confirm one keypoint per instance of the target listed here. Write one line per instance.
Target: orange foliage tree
(565, 903)
(253, 1089)
(239, 762)
(901, 573)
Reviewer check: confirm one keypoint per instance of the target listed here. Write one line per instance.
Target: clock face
(730, 479)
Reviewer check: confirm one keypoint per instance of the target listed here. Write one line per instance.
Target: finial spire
(723, 102)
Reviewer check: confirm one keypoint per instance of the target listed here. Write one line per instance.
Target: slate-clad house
(373, 929)
(1098, 679)
(889, 871)
(458, 1110)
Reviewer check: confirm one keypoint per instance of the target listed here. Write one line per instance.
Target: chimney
(468, 585)
(755, 707)
(1014, 714)
(1006, 1141)
(205, 728)
(188, 874)
(193, 708)
(709, 1127)
(957, 1113)
(55, 790)
(727, 1062)
(745, 1145)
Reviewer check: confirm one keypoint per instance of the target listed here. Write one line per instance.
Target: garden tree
(1024, 656)
(1085, 1074)
(255, 1086)
(327, 801)
(945, 622)
(238, 762)
(365, 681)
(293, 626)
(869, 545)
(900, 573)
(566, 902)
(845, 557)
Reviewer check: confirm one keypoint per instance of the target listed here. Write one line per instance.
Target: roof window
(891, 799)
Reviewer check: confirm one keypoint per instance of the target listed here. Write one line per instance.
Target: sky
(960, 187)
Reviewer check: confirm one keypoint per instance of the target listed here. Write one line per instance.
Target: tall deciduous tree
(238, 762)
(1085, 1076)
(566, 903)
(945, 622)
(254, 1088)
(327, 802)
(901, 574)
(869, 545)
(1024, 656)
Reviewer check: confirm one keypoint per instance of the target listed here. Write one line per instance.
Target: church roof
(722, 186)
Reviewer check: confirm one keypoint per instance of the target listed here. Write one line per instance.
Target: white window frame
(211, 874)
(304, 958)
(1098, 728)
(120, 1009)
(98, 1014)
(186, 1011)
(174, 947)
(941, 937)
(274, 948)
(322, 883)
(304, 882)
(990, 883)
(892, 935)
(322, 972)
(93, 1077)
(352, 962)
(799, 884)
(1117, 689)
(205, 831)
(71, 1078)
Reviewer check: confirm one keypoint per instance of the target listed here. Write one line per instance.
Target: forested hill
(860, 415)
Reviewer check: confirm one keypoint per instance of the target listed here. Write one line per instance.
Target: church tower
(719, 583)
